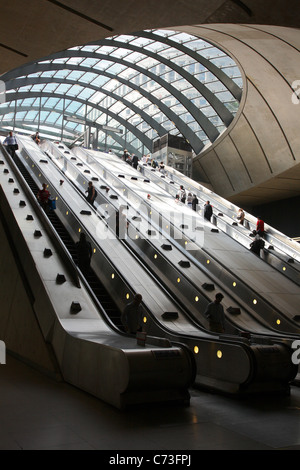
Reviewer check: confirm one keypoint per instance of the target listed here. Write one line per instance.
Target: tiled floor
(38, 413)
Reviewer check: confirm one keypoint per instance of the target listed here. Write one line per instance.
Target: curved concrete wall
(257, 160)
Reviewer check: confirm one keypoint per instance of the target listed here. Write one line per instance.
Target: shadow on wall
(282, 215)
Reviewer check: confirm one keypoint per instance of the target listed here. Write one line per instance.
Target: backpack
(183, 195)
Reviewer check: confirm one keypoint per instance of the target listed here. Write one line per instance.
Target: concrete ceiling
(35, 28)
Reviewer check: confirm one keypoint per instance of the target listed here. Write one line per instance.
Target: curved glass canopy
(125, 92)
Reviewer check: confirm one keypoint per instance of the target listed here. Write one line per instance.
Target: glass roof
(145, 84)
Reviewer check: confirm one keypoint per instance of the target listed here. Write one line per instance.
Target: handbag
(16, 147)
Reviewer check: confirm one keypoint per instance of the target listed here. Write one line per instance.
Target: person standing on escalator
(84, 254)
(132, 315)
(10, 142)
(260, 226)
(43, 197)
(208, 211)
(215, 314)
(91, 193)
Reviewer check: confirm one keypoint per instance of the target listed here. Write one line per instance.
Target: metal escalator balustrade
(100, 292)
(224, 218)
(209, 263)
(218, 368)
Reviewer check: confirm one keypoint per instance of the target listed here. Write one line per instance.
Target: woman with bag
(241, 216)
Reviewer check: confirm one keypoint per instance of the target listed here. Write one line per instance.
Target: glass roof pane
(85, 93)
(142, 103)
(181, 84)
(169, 53)
(157, 47)
(148, 62)
(141, 42)
(110, 85)
(31, 115)
(28, 101)
(133, 96)
(196, 44)
(61, 74)
(160, 93)
(89, 62)
(99, 81)
(102, 64)
(97, 97)
(51, 102)
(60, 60)
(74, 60)
(50, 88)
(116, 68)
(117, 107)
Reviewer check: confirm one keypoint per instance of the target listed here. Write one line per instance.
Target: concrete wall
(257, 160)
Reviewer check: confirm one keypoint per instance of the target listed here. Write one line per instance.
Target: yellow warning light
(196, 349)
(196, 298)
(219, 354)
(254, 301)
(278, 321)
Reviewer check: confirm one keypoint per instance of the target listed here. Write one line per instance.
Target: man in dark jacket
(132, 315)
(84, 254)
(208, 211)
(134, 161)
(215, 314)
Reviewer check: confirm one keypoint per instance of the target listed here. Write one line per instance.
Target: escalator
(92, 280)
(222, 363)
